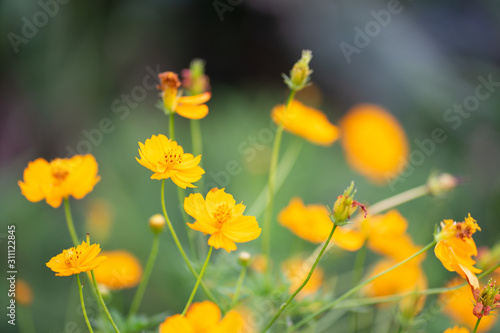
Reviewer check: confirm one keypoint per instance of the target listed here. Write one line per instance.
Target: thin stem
(198, 281)
(477, 325)
(69, 222)
(356, 277)
(197, 141)
(241, 278)
(83, 303)
(139, 294)
(171, 126)
(181, 193)
(266, 237)
(358, 287)
(103, 305)
(181, 250)
(311, 271)
(398, 199)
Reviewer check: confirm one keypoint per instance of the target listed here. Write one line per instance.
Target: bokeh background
(87, 61)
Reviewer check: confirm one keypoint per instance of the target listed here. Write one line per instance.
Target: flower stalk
(198, 281)
(83, 303)
(69, 222)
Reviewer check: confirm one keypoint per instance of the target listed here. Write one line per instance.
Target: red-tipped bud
(478, 310)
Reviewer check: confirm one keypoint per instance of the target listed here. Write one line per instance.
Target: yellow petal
(176, 324)
(192, 111)
(196, 99)
(203, 316)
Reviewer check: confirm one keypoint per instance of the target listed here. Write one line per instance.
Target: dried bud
(157, 223)
(194, 79)
(300, 73)
(478, 310)
(438, 184)
(487, 300)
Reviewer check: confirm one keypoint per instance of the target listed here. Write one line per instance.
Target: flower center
(72, 255)
(172, 157)
(59, 171)
(222, 214)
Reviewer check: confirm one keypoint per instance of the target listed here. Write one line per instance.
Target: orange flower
(191, 107)
(455, 248)
(458, 305)
(220, 217)
(83, 258)
(24, 294)
(296, 271)
(121, 271)
(374, 142)
(387, 235)
(59, 179)
(309, 123)
(204, 317)
(167, 160)
(457, 329)
(312, 223)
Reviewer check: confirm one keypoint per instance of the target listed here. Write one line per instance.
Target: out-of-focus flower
(300, 74)
(157, 223)
(24, 294)
(220, 216)
(259, 263)
(387, 236)
(194, 79)
(99, 218)
(374, 142)
(62, 177)
(306, 122)
(167, 160)
(440, 183)
(83, 258)
(455, 247)
(313, 224)
(122, 270)
(203, 317)
(296, 271)
(457, 329)
(191, 107)
(458, 305)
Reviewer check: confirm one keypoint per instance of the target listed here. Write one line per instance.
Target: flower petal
(192, 111)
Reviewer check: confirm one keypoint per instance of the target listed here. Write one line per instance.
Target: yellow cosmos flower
(458, 305)
(455, 248)
(387, 236)
(24, 294)
(62, 177)
(220, 216)
(309, 123)
(121, 271)
(457, 329)
(296, 270)
(191, 107)
(374, 142)
(312, 223)
(203, 317)
(83, 258)
(167, 160)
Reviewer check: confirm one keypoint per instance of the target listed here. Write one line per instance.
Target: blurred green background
(77, 63)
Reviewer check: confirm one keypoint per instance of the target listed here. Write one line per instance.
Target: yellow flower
(121, 271)
(457, 329)
(220, 217)
(24, 294)
(83, 258)
(455, 248)
(387, 236)
(309, 123)
(99, 218)
(296, 271)
(62, 177)
(191, 107)
(312, 223)
(167, 160)
(203, 317)
(458, 304)
(374, 142)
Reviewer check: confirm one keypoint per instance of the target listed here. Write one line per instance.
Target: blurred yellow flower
(304, 121)
(24, 294)
(203, 317)
(312, 223)
(457, 329)
(296, 271)
(62, 177)
(122, 270)
(99, 218)
(83, 258)
(458, 305)
(387, 236)
(222, 218)
(191, 107)
(167, 160)
(374, 142)
(455, 248)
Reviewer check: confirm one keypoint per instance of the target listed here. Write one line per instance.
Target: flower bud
(478, 310)
(345, 206)
(157, 223)
(300, 73)
(194, 79)
(438, 184)
(244, 258)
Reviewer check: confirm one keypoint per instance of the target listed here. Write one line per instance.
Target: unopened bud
(345, 206)
(157, 223)
(300, 73)
(244, 258)
(439, 184)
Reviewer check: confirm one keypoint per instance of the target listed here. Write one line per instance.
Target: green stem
(83, 303)
(139, 294)
(311, 271)
(356, 277)
(198, 281)
(103, 305)
(69, 222)
(181, 250)
(358, 287)
(266, 237)
(171, 126)
(241, 278)
(181, 193)
(197, 143)
(477, 325)
(398, 199)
